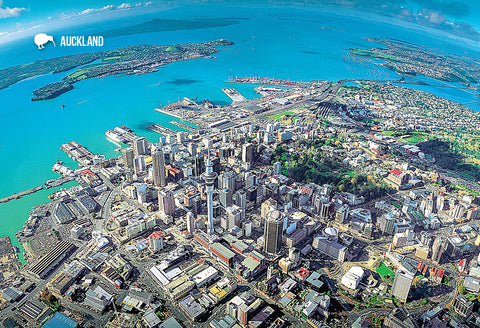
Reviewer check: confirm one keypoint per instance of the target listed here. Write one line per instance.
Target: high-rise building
(326, 190)
(166, 202)
(235, 215)
(241, 198)
(226, 196)
(342, 213)
(267, 206)
(190, 222)
(155, 241)
(229, 180)
(139, 163)
(325, 210)
(247, 153)
(140, 146)
(158, 162)
(401, 284)
(128, 156)
(192, 148)
(437, 250)
(209, 177)
(277, 166)
(387, 224)
(198, 165)
(181, 136)
(273, 232)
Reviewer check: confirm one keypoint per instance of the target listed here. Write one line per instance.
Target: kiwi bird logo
(41, 39)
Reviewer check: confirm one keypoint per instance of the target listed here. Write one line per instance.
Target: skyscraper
(247, 153)
(128, 156)
(139, 163)
(209, 177)
(166, 202)
(401, 284)
(140, 146)
(158, 161)
(437, 250)
(273, 232)
(226, 197)
(190, 222)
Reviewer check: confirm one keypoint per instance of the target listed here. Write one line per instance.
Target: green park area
(279, 116)
(384, 271)
(414, 137)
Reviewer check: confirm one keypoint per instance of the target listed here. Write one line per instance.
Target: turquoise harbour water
(284, 43)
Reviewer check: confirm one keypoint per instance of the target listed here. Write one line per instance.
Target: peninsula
(409, 59)
(136, 59)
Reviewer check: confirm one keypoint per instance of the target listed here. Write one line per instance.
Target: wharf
(18, 195)
(168, 112)
(78, 153)
(57, 182)
(183, 126)
(268, 81)
(160, 129)
(234, 94)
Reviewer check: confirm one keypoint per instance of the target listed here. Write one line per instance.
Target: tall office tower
(139, 163)
(229, 180)
(166, 202)
(241, 198)
(401, 284)
(437, 250)
(273, 232)
(158, 161)
(209, 177)
(192, 148)
(128, 156)
(171, 139)
(140, 146)
(247, 153)
(190, 222)
(181, 136)
(198, 165)
(226, 197)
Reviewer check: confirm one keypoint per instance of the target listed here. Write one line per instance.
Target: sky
(20, 18)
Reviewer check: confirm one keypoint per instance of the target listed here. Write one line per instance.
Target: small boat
(63, 106)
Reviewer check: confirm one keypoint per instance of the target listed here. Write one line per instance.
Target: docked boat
(114, 136)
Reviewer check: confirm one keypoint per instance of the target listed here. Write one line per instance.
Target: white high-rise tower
(209, 177)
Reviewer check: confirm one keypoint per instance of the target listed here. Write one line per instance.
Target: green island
(136, 59)
(409, 59)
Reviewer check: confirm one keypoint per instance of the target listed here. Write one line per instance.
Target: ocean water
(286, 43)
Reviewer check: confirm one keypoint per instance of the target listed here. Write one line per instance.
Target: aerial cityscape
(184, 174)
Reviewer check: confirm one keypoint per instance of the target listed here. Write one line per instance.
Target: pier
(18, 195)
(183, 126)
(57, 182)
(160, 129)
(78, 153)
(234, 94)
